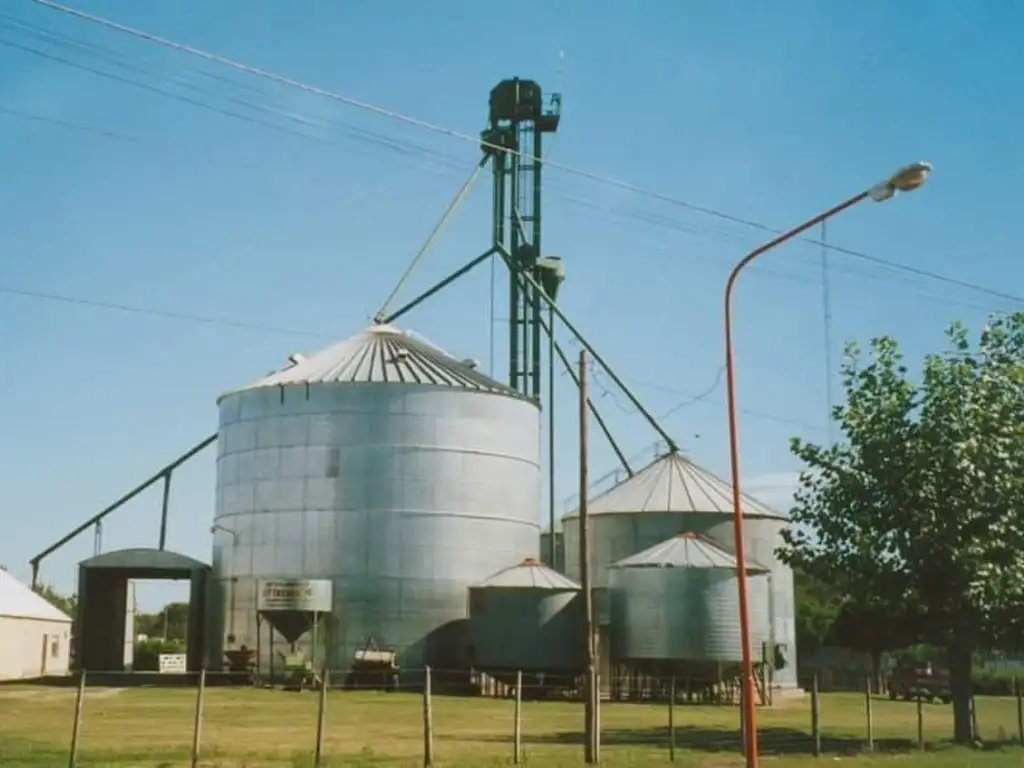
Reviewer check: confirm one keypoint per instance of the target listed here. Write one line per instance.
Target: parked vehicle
(908, 681)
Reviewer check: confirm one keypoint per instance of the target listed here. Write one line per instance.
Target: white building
(35, 637)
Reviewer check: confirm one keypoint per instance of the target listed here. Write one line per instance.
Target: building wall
(32, 648)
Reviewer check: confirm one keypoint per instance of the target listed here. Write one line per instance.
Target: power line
(439, 129)
(447, 160)
(110, 57)
(137, 310)
(64, 124)
(260, 328)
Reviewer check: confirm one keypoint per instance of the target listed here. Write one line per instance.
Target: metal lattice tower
(517, 122)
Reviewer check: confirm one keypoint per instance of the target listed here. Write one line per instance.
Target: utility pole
(590, 692)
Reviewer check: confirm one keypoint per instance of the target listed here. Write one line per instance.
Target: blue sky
(768, 112)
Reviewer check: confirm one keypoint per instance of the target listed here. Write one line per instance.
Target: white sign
(172, 663)
(295, 595)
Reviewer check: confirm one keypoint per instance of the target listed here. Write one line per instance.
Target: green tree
(170, 623)
(919, 507)
(67, 604)
(817, 608)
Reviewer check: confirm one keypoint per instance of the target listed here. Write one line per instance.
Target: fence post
(815, 716)
(517, 727)
(1019, 695)
(672, 720)
(76, 728)
(197, 726)
(920, 722)
(867, 710)
(320, 715)
(974, 720)
(597, 718)
(428, 722)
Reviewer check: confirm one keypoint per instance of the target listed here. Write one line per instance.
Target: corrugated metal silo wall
(684, 614)
(528, 629)
(615, 536)
(404, 496)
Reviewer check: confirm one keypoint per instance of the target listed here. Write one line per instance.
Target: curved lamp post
(906, 179)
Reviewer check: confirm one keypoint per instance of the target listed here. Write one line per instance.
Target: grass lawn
(152, 728)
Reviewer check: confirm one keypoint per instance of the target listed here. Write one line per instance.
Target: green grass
(152, 728)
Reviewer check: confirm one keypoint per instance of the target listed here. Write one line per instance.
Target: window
(54, 648)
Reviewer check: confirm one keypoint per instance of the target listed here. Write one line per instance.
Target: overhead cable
(442, 130)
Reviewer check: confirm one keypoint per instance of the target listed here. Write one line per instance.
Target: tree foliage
(918, 512)
(169, 623)
(67, 604)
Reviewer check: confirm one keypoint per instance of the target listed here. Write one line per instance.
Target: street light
(906, 179)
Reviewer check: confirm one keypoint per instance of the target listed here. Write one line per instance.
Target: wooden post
(597, 718)
(920, 722)
(428, 722)
(1019, 694)
(590, 692)
(867, 712)
(974, 720)
(197, 725)
(76, 728)
(517, 726)
(320, 715)
(672, 720)
(815, 716)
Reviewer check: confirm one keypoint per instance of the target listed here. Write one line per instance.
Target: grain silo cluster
(407, 482)
(378, 508)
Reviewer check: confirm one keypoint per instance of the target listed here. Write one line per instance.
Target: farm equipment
(910, 681)
(373, 668)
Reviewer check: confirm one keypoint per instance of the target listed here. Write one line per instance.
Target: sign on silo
(312, 595)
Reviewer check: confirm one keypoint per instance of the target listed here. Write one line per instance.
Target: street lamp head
(906, 179)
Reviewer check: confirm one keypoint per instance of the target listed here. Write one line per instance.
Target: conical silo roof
(687, 550)
(530, 574)
(380, 354)
(673, 484)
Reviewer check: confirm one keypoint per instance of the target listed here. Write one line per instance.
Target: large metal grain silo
(673, 495)
(677, 602)
(387, 466)
(527, 618)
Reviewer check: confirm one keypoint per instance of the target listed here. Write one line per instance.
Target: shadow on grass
(772, 741)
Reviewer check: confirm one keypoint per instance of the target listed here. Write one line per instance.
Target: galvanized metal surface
(529, 574)
(687, 550)
(658, 503)
(684, 614)
(403, 495)
(545, 550)
(527, 617)
(380, 354)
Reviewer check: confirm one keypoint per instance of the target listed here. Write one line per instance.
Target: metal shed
(103, 597)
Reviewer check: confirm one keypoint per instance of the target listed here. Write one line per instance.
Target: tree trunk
(959, 662)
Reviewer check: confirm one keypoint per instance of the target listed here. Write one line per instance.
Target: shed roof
(530, 574)
(18, 601)
(144, 558)
(687, 550)
(674, 484)
(381, 354)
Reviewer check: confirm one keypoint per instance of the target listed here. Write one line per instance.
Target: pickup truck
(908, 681)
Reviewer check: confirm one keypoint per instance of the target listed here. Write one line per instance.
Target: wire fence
(430, 717)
